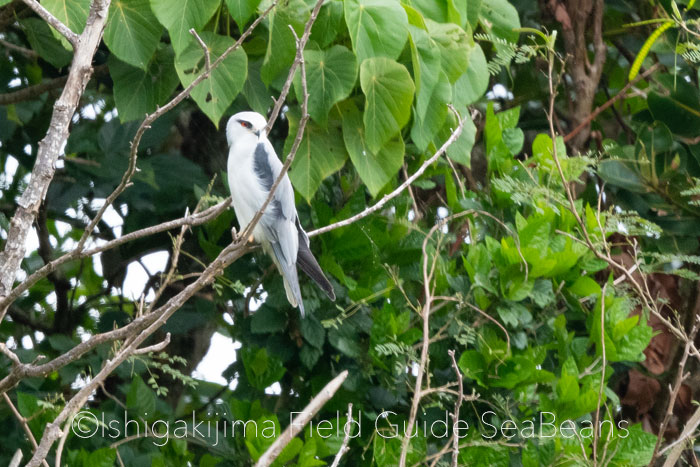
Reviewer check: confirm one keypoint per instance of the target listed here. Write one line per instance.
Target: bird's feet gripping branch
(253, 167)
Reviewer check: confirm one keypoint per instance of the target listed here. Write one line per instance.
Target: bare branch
(38, 89)
(16, 459)
(9, 354)
(24, 51)
(386, 198)
(56, 23)
(192, 220)
(346, 440)
(679, 445)
(141, 328)
(301, 420)
(298, 60)
(51, 146)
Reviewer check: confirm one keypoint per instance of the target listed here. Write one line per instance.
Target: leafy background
(381, 74)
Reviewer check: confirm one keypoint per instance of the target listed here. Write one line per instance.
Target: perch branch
(301, 420)
(52, 145)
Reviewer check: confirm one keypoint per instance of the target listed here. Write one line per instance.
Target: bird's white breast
(246, 193)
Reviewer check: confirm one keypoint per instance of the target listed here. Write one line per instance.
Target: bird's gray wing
(278, 221)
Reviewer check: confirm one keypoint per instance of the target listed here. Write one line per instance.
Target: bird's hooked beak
(258, 133)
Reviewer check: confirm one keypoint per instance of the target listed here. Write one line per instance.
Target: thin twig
(23, 422)
(610, 102)
(53, 21)
(386, 198)
(301, 420)
(602, 375)
(458, 405)
(492, 319)
(422, 370)
(153, 348)
(207, 55)
(416, 212)
(680, 376)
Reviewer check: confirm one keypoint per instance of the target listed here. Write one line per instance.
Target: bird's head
(245, 125)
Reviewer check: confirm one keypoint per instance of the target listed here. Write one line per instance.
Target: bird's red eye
(245, 124)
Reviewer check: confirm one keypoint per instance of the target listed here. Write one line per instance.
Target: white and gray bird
(253, 167)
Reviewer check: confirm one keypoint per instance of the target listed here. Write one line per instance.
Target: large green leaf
(375, 168)
(330, 76)
(328, 24)
(425, 56)
(320, 155)
(45, 43)
(181, 17)
(378, 28)
(215, 94)
(132, 32)
(256, 93)
(470, 86)
(72, 13)
(501, 18)
(426, 126)
(138, 92)
(242, 10)
(679, 112)
(388, 89)
(281, 47)
(140, 398)
(455, 46)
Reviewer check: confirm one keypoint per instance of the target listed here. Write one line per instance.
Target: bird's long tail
(290, 276)
(307, 262)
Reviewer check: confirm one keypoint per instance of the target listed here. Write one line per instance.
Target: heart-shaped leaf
(378, 28)
(375, 168)
(181, 17)
(138, 92)
(388, 89)
(320, 155)
(330, 76)
(215, 94)
(242, 10)
(132, 32)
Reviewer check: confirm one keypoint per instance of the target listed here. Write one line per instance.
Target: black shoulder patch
(262, 168)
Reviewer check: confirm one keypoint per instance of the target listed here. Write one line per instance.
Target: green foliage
(521, 294)
(133, 32)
